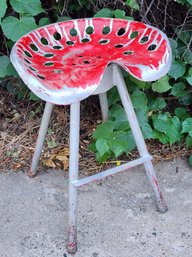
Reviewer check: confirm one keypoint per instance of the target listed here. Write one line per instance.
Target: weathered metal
(65, 62)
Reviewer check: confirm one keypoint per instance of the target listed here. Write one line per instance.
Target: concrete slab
(117, 218)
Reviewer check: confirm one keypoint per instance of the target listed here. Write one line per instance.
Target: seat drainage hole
(48, 55)
(86, 62)
(57, 36)
(57, 47)
(104, 41)
(121, 32)
(144, 40)
(28, 54)
(85, 40)
(27, 61)
(89, 30)
(134, 34)
(69, 43)
(127, 52)
(152, 47)
(44, 41)
(118, 46)
(40, 76)
(34, 47)
(31, 68)
(73, 32)
(106, 30)
(48, 63)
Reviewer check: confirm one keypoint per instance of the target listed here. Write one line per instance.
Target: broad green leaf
(188, 141)
(189, 80)
(147, 131)
(4, 63)
(139, 99)
(133, 4)
(3, 8)
(104, 130)
(102, 146)
(190, 2)
(119, 13)
(139, 83)
(160, 136)
(14, 28)
(181, 113)
(103, 158)
(178, 89)
(156, 104)
(11, 71)
(43, 22)
(177, 69)
(63, 18)
(118, 115)
(117, 146)
(105, 12)
(33, 97)
(113, 96)
(142, 116)
(162, 85)
(128, 138)
(161, 122)
(174, 131)
(187, 126)
(32, 7)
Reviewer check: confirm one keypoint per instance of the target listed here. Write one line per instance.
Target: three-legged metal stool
(63, 63)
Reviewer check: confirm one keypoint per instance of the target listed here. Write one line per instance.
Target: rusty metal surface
(64, 62)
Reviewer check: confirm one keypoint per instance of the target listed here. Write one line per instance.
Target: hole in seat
(121, 32)
(86, 62)
(28, 54)
(144, 39)
(40, 76)
(118, 46)
(152, 47)
(57, 47)
(27, 61)
(134, 34)
(31, 68)
(57, 36)
(73, 32)
(48, 55)
(34, 47)
(44, 41)
(127, 52)
(89, 30)
(85, 40)
(48, 63)
(69, 43)
(106, 30)
(104, 41)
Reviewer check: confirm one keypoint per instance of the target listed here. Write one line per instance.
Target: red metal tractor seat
(65, 62)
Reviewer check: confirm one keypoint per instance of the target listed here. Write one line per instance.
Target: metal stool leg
(41, 138)
(104, 106)
(139, 140)
(73, 175)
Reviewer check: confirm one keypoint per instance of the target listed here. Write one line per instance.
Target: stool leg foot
(151, 174)
(104, 106)
(40, 140)
(139, 140)
(73, 175)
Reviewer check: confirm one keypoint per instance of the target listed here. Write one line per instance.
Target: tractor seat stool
(63, 63)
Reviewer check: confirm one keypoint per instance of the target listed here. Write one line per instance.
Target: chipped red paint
(72, 239)
(75, 53)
